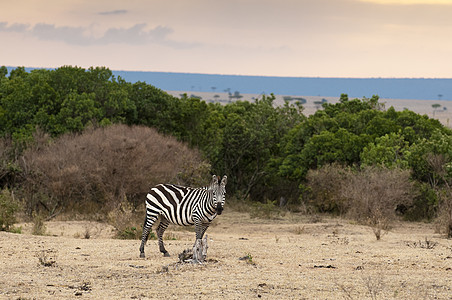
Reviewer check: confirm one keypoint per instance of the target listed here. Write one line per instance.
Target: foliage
(129, 233)
(67, 99)
(9, 168)
(442, 169)
(267, 210)
(250, 134)
(389, 151)
(8, 210)
(439, 143)
(425, 203)
(354, 132)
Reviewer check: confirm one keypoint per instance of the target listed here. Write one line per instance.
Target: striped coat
(182, 206)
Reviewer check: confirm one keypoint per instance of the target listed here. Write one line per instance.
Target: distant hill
(391, 88)
(395, 88)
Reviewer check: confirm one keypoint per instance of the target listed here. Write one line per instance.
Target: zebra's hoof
(166, 254)
(142, 255)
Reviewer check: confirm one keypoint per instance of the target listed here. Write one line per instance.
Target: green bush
(425, 204)
(267, 210)
(129, 233)
(8, 209)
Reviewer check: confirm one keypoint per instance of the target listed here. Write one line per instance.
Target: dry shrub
(101, 167)
(47, 258)
(39, 226)
(127, 220)
(369, 195)
(373, 194)
(324, 188)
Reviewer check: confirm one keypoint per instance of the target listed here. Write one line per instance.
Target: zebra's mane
(189, 188)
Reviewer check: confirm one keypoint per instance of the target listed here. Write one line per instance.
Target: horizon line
(232, 75)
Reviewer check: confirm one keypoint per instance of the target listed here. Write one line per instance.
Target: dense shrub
(425, 203)
(106, 166)
(441, 171)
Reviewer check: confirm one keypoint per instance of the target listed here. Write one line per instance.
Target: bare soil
(288, 258)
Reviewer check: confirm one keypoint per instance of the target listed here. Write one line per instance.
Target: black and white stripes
(183, 206)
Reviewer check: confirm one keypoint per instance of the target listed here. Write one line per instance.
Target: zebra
(182, 206)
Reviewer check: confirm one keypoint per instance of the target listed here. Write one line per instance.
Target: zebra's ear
(214, 180)
(224, 180)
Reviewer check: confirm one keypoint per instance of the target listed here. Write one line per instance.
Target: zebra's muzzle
(219, 209)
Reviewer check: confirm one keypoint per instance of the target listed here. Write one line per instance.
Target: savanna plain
(291, 256)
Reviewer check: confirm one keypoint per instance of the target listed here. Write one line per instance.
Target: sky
(295, 38)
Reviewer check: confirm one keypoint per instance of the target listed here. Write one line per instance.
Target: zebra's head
(219, 192)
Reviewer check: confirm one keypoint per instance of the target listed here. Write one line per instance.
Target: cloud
(113, 12)
(16, 27)
(67, 34)
(137, 34)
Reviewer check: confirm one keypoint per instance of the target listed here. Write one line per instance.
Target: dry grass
(287, 258)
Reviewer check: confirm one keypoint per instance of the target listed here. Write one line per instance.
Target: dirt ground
(289, 258)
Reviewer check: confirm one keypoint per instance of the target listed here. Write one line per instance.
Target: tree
(440, 143)
(251, 133)
(154, 108)
(435, 106)
(3, 72)
(77, 111)
(388, 151)
(353, 132)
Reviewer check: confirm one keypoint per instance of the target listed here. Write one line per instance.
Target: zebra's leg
(148, 222)
(198, 253)
(160, 230)
(200, 229)
(203, 230)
